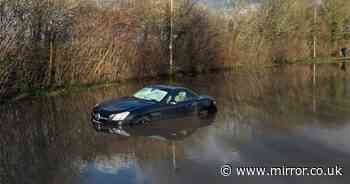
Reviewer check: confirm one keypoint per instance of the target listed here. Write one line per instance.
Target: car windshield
(151, 94)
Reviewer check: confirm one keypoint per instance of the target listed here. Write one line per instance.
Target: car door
(169, 109)
(182, 104)
(191, 102)
(164, 110)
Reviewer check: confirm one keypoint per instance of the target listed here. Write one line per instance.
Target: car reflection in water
(169, 131)
(177, 129)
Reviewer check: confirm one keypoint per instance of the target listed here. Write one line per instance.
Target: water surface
(267, 118)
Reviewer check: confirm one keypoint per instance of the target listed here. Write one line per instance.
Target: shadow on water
(266, 118)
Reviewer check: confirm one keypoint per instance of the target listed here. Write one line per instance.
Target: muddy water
(270, 118)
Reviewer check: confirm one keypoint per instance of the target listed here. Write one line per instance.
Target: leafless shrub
(52, 43)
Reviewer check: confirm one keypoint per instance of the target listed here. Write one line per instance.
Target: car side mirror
(173, 102)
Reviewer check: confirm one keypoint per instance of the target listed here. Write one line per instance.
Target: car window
(152, 94)
(182, 96)
(190, 95)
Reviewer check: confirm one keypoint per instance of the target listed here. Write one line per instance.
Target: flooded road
(270, 118)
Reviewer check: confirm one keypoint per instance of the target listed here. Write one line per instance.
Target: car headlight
(119, 117)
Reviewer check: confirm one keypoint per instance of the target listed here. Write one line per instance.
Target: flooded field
(271, 118)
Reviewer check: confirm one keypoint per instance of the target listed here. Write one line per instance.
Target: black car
(152, 103)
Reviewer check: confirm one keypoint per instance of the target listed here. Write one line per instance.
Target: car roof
(166, 87)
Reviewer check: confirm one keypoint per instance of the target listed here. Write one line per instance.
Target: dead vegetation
(54, 43)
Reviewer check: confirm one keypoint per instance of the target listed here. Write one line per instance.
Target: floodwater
(270, 118)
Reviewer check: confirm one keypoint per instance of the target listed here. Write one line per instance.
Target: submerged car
(152, 103)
